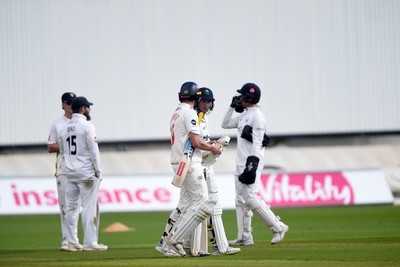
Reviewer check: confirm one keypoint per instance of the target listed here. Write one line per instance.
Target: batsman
(197, 207)
(215, 226)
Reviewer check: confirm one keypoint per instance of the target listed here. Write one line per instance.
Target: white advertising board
(38, 195)
(325, 55)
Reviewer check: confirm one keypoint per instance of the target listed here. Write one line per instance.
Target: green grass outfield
(321, 236)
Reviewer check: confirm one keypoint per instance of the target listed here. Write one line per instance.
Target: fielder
(251, 143)
(53, 146)
(187, 218)
(83, 169)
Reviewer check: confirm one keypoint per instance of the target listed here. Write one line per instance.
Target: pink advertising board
(325, 188)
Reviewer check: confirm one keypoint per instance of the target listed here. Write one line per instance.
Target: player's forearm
(203, 145)
(53, 148)
(228, 122)
(96, 165)
(95, 156)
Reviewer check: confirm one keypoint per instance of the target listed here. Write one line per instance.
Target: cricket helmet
(189, 91)
(206, 93)
(251, 92)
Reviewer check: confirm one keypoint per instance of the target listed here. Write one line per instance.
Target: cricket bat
(184, 164)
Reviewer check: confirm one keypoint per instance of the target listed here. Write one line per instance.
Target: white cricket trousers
(62, 203)
(87, 192)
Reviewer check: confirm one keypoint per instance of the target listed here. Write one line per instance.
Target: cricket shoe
(199, 254)
(166, 252)
(241, 242)
(95, 247)
(229, 251)
(64, 247)
(203, 254)
(278, 236)
(178, 248)
(73, 247)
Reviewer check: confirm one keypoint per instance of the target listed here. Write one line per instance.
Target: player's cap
(68, 97)
(79, 102)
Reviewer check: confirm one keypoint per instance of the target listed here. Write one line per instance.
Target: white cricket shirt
(80, 148)
(253, 117)
(183, 121)
(54, 138)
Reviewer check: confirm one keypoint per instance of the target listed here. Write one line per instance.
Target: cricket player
(83, 170)
(251, 143)
(195, 245)
(53, 146)
(197, 207)
(215, 226)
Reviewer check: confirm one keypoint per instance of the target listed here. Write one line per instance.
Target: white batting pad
(195, 241)
(265, 213)
(216, 232)
(244, 224)
(188, 222)
(173, 217)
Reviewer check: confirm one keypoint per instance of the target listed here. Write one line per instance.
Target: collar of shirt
(79, 116)
(186, 104)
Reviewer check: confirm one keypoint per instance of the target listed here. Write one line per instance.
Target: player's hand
(235, 101)
(216, 149)
(237, 104)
